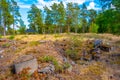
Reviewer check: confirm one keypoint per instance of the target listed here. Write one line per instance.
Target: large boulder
(31, 64)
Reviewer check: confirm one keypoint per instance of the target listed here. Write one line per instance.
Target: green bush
(47, 59)
(93, 28)
(0, 36)
(58, 68)
(76, 41)
(66, 65)
(11, 37)
(73, 54)
(6, 45)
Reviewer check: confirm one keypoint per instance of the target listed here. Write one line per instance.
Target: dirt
(106, 68)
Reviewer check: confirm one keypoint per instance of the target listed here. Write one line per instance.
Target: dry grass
(39, 50)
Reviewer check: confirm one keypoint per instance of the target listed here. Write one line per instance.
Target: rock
(32, 64)
(1, 51)
(70, 69)
(3, 40)
(24, 58)
(1, 56)
(97, 50)
(65, 59)
(47, 70)
(42, 41)
(97, 43)
(72, 63)
(115, 55)
(105, 48)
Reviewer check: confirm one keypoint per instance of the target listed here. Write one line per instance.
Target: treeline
(10, 18)
(59, 19)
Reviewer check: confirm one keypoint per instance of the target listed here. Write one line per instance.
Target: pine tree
(35, 19)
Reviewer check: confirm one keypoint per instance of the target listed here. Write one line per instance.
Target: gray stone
(1, 51)
(3, 40)
(42, 41)
(72, 63)
(32, 64)
(23, 58)
(1, 56)
(65, 59)
(70, 69)
(97, 43)
(47, 70)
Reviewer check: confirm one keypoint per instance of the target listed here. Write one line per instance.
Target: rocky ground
(60, 57)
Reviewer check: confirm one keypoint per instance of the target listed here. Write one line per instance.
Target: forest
(60, 19)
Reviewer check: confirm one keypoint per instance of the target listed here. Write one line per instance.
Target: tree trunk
(59, 29)
(76, 29)
(55, 30)
(13, 23)
(3, 24)
(83, 29)
(43, 30)
(68, 29)
(4, 33)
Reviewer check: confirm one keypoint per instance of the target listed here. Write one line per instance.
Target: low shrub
(73, 54)
(47, 59)
(5, 45)
(0, 36)
(58, 68)
(11, 37)
(66, 65)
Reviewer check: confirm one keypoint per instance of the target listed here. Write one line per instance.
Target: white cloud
(23, 5)
(42, 3)
(75, 1)
(92, 5)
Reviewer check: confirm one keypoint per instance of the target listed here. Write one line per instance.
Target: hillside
(61, 57)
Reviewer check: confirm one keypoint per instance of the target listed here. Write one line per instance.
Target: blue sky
(25, 5)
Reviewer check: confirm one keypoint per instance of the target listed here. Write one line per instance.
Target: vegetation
(11, 37)
(64, 53)
(59, 19)
(73, 55)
